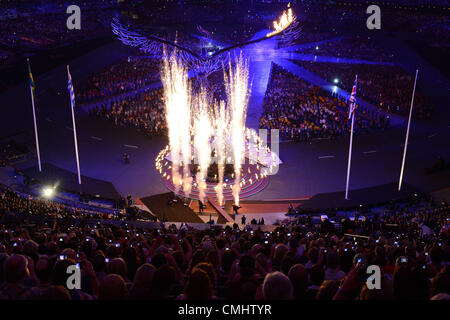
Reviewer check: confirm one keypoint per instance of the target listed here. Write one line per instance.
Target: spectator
(15, 271)
(333, 271)
(299, 279)
(327, 290)
(142, 284)
(277, 286)
(113, 287)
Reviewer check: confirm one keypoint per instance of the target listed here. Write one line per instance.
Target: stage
(309, 168)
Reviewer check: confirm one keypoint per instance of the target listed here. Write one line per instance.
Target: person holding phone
(333, 270)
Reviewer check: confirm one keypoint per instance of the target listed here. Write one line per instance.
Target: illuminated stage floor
(252, 186)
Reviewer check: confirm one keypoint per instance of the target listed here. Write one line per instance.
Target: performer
(126, 158)
(236, 209)
(201, 207)
(291, 208)
(243, 219)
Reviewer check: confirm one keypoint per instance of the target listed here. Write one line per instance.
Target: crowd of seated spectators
(300, 260)
(144, 111)
(313, 36)
(426, 31)
(126, 75)
(44, 30)
(4, 56)
(234, 34)
(17, 203)
(389, 87)
(356, 47)
(302, 111)
(166, 13)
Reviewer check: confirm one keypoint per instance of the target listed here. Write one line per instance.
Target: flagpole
(407, 134)
(75, 133)
(349, 157)
(35, 124)
(352, 111)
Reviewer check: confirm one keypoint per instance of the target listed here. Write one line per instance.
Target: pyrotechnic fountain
(178, 114)
(204, 133)
(237, 95)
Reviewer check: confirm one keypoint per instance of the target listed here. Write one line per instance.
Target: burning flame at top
(284, 21)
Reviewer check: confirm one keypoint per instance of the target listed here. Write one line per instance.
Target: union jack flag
(353, 99)
(70, 88)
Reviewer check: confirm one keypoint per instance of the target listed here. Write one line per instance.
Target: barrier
(219, 209)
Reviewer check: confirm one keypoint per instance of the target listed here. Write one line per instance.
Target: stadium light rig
(48, 192)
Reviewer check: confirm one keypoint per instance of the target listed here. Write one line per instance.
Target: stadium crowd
(126, 75)
(144, 111)
(46, 29)
(298, 260)
(356, 47)
(388, 87)
(302, 111)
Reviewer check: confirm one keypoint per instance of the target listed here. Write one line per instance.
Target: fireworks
(202, 134)
(221, 127)
(201, 130)
(237, 95)
(178, 114)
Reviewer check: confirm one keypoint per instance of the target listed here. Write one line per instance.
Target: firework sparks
(178, 114)
(221, 127)
(237, 95)
(202, 134)
(198, 126)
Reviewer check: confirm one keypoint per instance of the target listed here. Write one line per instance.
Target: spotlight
(336, 80)
(317, 47)
(48, 192)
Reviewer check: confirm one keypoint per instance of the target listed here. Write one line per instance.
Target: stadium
(224, 150)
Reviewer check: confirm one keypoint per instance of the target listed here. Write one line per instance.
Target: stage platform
(176, 212)
(360, 197)
(66, 180)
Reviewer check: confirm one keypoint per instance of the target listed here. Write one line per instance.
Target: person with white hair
(277, 286)
(15, 271)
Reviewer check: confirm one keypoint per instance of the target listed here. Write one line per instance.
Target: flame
(283, 22)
